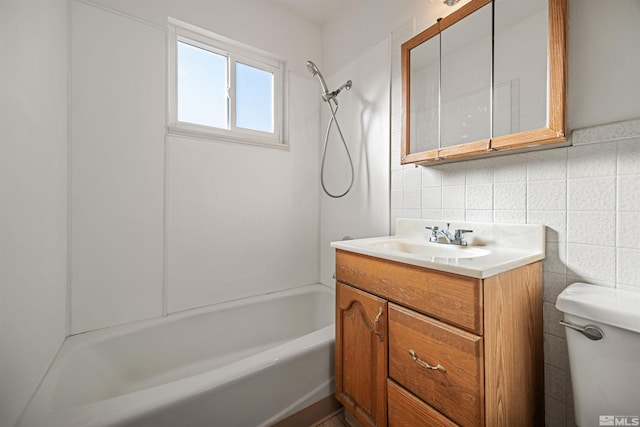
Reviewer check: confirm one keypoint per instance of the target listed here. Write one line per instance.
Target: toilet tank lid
(615, 307)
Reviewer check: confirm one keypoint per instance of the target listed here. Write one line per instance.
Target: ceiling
(316, 11)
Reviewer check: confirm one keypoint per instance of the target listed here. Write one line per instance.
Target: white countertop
(507, 246)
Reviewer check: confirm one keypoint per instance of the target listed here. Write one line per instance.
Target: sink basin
(430, 250)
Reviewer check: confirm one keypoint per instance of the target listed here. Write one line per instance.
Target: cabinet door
(361, 354)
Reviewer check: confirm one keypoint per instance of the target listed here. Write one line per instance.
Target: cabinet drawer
(418, 344)
(406, 410)
(449, 297)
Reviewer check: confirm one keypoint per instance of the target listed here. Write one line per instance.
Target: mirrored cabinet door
(466, 79)
(425, 96)
(520, 66)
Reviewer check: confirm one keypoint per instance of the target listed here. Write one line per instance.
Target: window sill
(246, 139)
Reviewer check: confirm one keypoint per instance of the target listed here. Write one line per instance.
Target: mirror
(488, 78)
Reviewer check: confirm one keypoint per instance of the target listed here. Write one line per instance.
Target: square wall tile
(629, 193)
(432, 198)
(552, 317)
(555, 382)
(452, 174)
(411, 213)
(587, 161)
(547, 195)
(591, 194)
(547, 164)
(431, 177)
(511, 168)
(591, 262)
(552, 285)
(412, 177)
(479, 196)
(510, 196)
(555, 258)
(432, 214)
(510, 217)
(554, 412)
(628, 267)
(592, 228)
(556, 222)
(479, 172)
(473, 215)
(555, 352)
(453, 197)
(397, 199)
(629, 157)
(628, 230)
(412, 199)
(453, 214)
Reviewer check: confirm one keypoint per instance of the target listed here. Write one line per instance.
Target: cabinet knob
(424, 364)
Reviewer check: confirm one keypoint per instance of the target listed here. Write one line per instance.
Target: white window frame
(179, 31)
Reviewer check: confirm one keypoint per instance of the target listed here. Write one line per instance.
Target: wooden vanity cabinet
(446, 349)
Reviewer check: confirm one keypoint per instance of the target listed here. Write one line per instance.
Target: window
(220, 89)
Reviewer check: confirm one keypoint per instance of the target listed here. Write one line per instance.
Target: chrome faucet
(455, 239)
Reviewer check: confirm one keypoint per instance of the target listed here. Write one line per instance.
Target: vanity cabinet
(417, 346)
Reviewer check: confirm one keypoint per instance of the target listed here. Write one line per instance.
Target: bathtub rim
(40, 406)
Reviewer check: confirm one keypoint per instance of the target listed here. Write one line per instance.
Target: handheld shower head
(313, 69)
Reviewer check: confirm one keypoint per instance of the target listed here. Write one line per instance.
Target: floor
(335, 420)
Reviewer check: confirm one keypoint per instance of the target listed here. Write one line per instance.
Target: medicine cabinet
(487, 79)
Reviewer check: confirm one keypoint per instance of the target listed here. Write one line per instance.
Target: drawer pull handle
(424, 364)
(378, 316)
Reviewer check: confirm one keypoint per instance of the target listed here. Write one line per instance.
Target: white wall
(33, 195)
(363, 116)
(117, 168)
(166, 223)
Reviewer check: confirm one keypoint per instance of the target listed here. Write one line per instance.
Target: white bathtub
(249, 362)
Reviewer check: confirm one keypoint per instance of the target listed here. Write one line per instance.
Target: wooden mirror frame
(550, 136)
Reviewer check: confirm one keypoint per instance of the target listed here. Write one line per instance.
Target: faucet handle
(459, 233)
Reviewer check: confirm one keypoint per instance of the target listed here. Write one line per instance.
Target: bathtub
(249, 362)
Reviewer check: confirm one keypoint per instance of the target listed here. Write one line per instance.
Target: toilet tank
(605, 373)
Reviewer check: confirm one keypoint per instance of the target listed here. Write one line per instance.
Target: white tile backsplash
(628, 232)
(453, 197)
(511, 168)
(547, 195)
(412, 177)
(592, 228)
(587, 160)
(453, 174)
(510, 196)
(547, 164)
(629, 157)
(479, 196)
(412, 198)
(432, 198)
(628, 193)
(591, 194)
(431, 177)
(627, 268)
(592, 262)
(556, 222)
